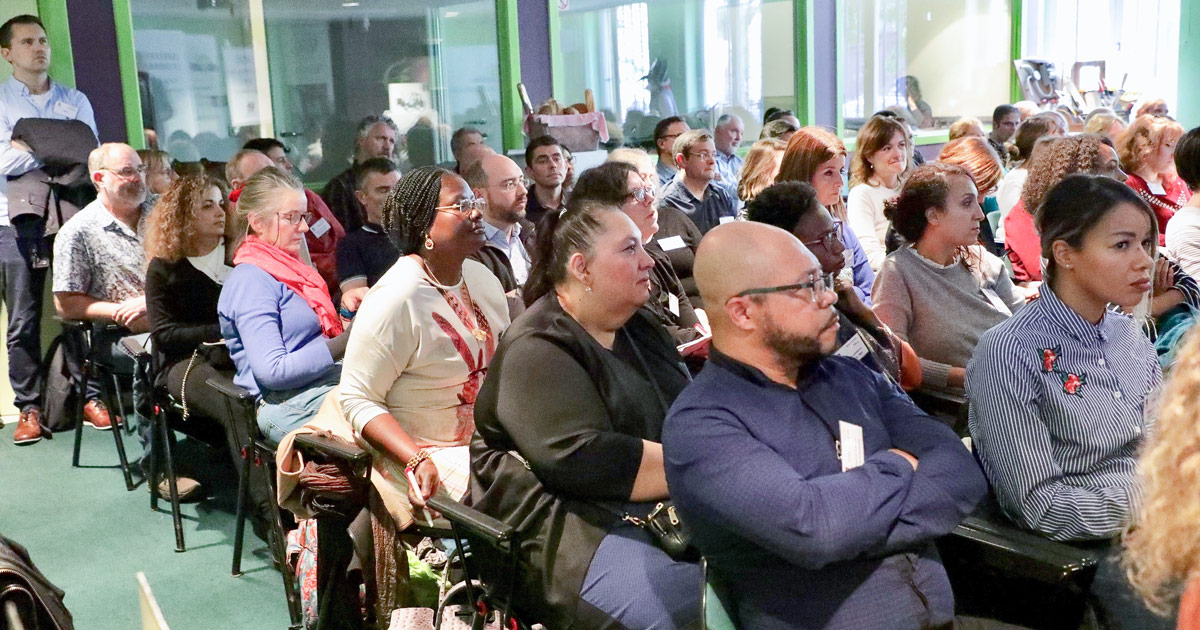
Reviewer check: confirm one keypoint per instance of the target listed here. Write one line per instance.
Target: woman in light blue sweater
(276, 316)
(943, 290)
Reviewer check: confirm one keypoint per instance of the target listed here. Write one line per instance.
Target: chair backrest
(152, 617)
(993, 219)
(716, 605)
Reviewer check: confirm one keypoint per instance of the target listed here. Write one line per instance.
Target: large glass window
(929, 60)
(430, 66)
(1129, 44)
(196, 73)
(697, 58)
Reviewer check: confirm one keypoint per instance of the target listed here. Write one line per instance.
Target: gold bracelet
(422, 455)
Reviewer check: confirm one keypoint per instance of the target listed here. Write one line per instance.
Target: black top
(673, 222)
(181, 304)
(534, 210)
(339, 196)
(681, 320)
(365, 253)
(573, 445)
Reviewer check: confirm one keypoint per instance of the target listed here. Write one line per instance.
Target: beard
(133, 193)
(791, 349)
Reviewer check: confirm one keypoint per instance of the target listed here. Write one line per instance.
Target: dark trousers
(23, 287)
(1117, 605)
(106, 350)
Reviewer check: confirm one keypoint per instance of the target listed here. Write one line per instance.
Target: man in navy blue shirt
(812, 484)
(698, 192)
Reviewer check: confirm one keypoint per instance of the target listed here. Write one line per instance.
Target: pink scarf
(297, 276)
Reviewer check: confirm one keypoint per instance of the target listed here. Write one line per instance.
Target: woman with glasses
(276, 316)
(620, 184)
(422, 341)
(159, 174)
(569, 429)
(942, 290)
(677, 236)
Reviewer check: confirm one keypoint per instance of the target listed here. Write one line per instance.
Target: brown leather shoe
(29, 427)
(95, 415)
(189, 489)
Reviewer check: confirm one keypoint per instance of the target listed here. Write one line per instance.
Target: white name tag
(671, 242)
(1156, 188)
(673, 304)
(855, 347)
(319, 228)
(851, 439)
(65, 109)
(725, 220)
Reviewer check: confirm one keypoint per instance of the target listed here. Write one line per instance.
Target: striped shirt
(1058, 411)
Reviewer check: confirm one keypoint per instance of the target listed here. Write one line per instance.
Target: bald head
(472, 154)
(746, 255)
(244, 165)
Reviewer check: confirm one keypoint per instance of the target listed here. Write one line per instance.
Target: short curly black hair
(1187, 159)
(783, 204)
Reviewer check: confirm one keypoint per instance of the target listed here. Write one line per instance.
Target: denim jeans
(282, 412)
(22, 292)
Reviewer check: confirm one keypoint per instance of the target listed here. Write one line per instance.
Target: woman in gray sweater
(943, 290)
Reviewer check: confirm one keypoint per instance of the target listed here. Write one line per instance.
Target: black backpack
(62, 382)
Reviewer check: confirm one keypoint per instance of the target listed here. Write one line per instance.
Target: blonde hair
(977, 156)
(809, 148)
(260, 196)
(1162, 549)
(871, 138)
(638, 158)
(1144, 137)
(688, 139)
(1101, 121)
(966, 126)
(761, 167)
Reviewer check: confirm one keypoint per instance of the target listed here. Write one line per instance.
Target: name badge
(1156, 188)
(855, 347)
(673, 304)
(851, 440)
(65, 109)
(671, 243)
(725, 220)
(319, 228)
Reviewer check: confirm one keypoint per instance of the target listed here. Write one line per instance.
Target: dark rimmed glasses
(819, 285)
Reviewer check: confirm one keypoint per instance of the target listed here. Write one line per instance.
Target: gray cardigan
(942, 311)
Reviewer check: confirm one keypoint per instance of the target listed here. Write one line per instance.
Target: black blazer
(53, 193)
(559, 426)
(181, 303)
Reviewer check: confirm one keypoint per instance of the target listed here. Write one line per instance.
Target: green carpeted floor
(90, 536)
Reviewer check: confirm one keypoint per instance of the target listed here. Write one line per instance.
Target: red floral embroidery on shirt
(1072, 382)
(1049, 357)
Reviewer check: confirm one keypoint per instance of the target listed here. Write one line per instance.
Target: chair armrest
(134, 349)
(228, 388)
(1001, 544)
(473, 521)
(330, 448)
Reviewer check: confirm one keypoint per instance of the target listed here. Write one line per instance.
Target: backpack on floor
(62, 384)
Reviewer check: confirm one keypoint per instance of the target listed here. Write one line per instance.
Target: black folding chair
(488, 550)
(256, 451)
(86, 332)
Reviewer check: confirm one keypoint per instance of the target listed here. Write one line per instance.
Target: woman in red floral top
(1147, 151)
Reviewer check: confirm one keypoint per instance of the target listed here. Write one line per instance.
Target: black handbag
(668, 531)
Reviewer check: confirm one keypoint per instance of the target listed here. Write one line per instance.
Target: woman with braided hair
(422, 341)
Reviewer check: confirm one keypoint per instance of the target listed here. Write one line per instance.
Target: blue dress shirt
(512, 247)
(729, 167)
(1057, 416)
(864, 276)
(754, 466)
(16, 102)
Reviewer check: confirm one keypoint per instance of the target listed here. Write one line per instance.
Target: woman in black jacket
(568, 430)
(185, 240)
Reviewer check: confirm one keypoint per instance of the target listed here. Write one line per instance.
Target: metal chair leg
(239, 530)
(87, 370)
(113, 392)
(279, 550)
(167, 440)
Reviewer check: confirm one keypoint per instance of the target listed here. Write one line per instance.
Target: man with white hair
(727, 136)
(376, 139)
(100, 275)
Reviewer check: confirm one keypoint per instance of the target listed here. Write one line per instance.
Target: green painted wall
(1188, 109)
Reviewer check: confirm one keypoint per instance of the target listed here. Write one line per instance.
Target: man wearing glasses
(30, 93)
(697, 191)
(499, 183)
(665, 133)
(813, 486)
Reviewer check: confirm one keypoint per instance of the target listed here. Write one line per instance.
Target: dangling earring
(429, 243)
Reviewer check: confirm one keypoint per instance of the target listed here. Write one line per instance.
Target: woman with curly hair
(1147, 150)
(1162, 552)
(1052, 160)
(188, 264)
(1008, 193)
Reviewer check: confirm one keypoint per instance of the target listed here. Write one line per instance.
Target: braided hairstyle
(409, 210)
(560, 236)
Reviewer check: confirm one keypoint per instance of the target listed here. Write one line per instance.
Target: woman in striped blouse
(1060, 392)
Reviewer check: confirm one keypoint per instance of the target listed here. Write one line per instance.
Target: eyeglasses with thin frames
(465, 207)
(819, 285)
(641, 195)
(828, 238)
(128, 172)
(294, 218)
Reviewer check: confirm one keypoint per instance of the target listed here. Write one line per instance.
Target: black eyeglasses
(827, 239)
(819, 285)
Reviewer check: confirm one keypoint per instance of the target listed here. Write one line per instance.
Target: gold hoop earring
(428, 243)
